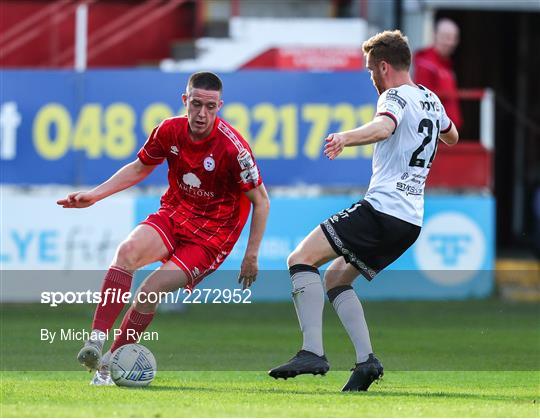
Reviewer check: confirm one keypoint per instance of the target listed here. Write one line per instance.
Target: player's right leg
(308, 297)
(143, 246)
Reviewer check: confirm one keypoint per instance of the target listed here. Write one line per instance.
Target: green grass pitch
(442, 359)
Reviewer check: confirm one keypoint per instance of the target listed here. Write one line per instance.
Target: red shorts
(185, 250)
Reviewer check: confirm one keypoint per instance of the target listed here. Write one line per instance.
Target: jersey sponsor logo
(174, 150)
(209, 163)
(418, 179)
(430, 106)
(393, 95)
(191, 184)
(409, 189)
(192, 180)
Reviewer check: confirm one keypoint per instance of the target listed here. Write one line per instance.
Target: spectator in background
(433, 68)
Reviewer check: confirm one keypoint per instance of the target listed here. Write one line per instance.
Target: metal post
(398, 14)
(487, 119)
(518, 204)
(81, 36)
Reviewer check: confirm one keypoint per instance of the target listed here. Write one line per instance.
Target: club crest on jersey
(209, 163)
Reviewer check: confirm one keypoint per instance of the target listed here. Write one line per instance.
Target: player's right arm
(149, 157)
(127, 176)
(390, 109)
(377, 130)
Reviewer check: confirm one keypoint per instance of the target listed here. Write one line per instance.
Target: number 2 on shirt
(415, 160)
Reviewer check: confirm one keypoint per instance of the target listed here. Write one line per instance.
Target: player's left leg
(308, 297)
(168, 278)
(338, 281)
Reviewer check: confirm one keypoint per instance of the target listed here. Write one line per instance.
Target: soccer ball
(133, 365)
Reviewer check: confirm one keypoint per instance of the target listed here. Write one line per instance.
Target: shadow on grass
(445, 395)
(374, 393)
(161, 388)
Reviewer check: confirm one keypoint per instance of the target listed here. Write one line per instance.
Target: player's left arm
(449, 133)
(450, 136)
(261, 207)
(380, 128)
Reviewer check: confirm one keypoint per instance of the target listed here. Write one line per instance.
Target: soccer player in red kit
(213, 181)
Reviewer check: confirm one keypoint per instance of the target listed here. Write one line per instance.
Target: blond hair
(389, 46)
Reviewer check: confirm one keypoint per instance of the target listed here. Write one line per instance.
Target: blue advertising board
(63, 127)
(452, 259)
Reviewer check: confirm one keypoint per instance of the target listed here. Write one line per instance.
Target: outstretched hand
(334, 145)
(248, 271)
(77, 200)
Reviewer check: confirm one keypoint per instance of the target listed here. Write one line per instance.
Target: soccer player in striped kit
(375, 231)
(214, 181)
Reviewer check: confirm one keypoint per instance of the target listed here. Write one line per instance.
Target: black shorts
(368, 239)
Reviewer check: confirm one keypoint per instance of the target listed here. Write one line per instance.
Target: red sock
(105, 315)
(135, 322)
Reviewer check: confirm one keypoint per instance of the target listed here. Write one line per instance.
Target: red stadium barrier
(468, 165)
(465, 165)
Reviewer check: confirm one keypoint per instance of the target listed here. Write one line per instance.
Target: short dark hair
(205, 80)
(389, 46)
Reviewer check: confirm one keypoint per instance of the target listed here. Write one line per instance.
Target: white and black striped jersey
(401, 163)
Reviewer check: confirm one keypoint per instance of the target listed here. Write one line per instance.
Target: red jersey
(207, 178)
(436, 73)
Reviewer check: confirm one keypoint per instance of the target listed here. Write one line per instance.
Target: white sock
(308, 297)
(106, 359)
(351, 314)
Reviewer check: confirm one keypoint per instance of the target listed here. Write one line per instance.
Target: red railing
(31, 27)
(100, 35)
(129, 30)
(468, 164)
(35, 33)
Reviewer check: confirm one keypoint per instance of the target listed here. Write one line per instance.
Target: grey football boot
(90, 355)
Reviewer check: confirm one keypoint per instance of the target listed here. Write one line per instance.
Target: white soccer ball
(133, 365)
